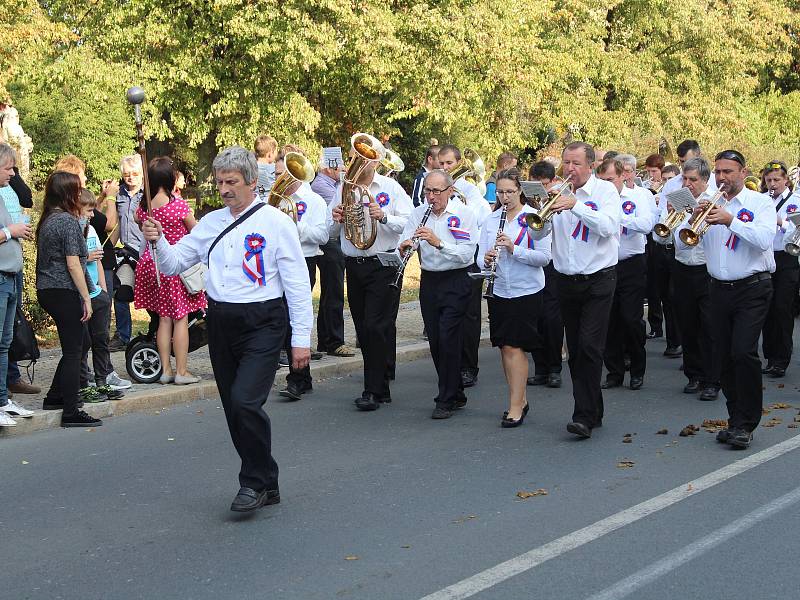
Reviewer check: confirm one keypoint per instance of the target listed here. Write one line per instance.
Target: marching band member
(446, 250)
(626, 329)
(516, 302)
(371, 298)
(547, 356)
(692, 292)
(653, 165)
(449, 157)
(779, 325)
(312, 230)
(739, 258)
(254, 257)
(585, 239)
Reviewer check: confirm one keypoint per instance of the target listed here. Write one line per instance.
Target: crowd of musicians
(573, 249)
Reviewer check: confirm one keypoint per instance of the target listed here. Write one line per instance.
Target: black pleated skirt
(513, 321)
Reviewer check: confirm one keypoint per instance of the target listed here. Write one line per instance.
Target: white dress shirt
(312, 220)
(586, 238)
(475, 199)
(457, 227)
(690, 256)
(396, 206)
(278, 267)
(639, 214)
(519, 273)
(744, 248)
(792, 205)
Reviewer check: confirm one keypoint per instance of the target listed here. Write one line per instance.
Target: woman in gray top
(63, 287)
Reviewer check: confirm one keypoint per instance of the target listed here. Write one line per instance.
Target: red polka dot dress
(170, 299)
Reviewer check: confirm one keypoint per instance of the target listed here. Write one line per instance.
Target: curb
(170, 395)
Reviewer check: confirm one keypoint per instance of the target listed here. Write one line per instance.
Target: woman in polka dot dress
(170, 301)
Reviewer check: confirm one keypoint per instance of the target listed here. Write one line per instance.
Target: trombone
(693, 235)
(536, 220)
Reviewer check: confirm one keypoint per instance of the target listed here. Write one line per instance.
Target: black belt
(8, 274)
(214, 304)
(741, 282)
(363, 259)
(589, 277)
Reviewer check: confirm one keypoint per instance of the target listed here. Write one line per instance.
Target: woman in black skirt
(519, 280)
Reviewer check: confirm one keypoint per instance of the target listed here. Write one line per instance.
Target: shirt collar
(589, 186)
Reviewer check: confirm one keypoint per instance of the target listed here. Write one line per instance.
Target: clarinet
(493, 268)
(414, 246)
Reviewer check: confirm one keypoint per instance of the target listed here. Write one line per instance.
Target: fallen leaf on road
(662, 432)
(690, 488)
(689, 430)
(199, 412)
(781, 386)
(764, 412)
(406, 546)
(463, 519)
(351, 557)
(772, 422)
(779, 406)
(625, 464)
(627, 440)
(713, 425)
(792, 425)
(526, 495)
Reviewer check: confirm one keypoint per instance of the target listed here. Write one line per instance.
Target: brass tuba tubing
(359, 228)
(298, 168)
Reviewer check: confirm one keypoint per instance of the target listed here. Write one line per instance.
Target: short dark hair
(671, 169)
(611, 154)
(542, 170)
(688, 146)
(161, 175)
(655, 161)
(733, 155)
(609, 163)
(447, 148)
(587, 148)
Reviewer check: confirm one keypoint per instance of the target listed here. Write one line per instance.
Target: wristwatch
(383, 219)
(441, 245)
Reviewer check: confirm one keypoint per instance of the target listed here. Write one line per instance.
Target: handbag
(194, 278)
(23, 345)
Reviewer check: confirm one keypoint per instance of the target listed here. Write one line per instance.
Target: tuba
(359, 228)
(536, 220)
(392, 163)
(751, 182)
(298, 168)
(692, 236)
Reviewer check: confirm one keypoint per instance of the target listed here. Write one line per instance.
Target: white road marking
(669, 563)
(525, 562)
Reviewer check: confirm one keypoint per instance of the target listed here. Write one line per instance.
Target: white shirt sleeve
(400, 209)
(538, 256)
(190, 250)
(312, 227)
(294, 277)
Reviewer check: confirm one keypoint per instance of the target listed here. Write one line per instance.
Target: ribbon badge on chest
(745, 216)
(301, 210)
(454, 225)
(627, 207)
(792, 208)
(253, 263)
(382, 199)
(581, 229)
(524, 232)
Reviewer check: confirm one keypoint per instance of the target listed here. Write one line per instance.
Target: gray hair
(7, 154)
(447, 177)
(700, 165)
(236, 158)
(629, 160)
(134, 160)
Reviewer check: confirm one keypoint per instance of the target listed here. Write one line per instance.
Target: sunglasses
(730, 155)
(775, 166)
(134, 174)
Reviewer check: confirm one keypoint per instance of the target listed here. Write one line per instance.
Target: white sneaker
(12, 408)
(6, 421)
(116, 382)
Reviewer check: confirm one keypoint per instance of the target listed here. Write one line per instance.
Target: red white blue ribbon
(523, 232)
(627, 207)
(253, 263)
(454, 225)
(581, 229)
(301, 210)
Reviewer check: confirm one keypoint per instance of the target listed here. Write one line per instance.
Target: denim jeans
(14, 375)
(8, 308)
(124, 325)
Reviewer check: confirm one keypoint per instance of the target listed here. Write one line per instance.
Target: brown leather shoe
(343, 351)
(20, 387)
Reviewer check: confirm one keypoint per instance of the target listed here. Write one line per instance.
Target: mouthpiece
(135, 95)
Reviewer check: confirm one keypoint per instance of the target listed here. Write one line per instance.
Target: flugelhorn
(297, 168)
(415, 242)
(359, 227)
(536, 220)
(693, 235)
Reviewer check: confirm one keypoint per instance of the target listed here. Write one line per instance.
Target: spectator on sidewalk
(63, 287)
(11, 232)
(266, 148)
(128, 232)
(170, 300)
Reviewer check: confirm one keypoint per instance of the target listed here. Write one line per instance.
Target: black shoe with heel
(507, 423)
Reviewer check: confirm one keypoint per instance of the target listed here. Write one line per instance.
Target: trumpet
(692, 236)
(667, 226)
(298, 168)
(359, 228)
(536, 220)
(410, 252)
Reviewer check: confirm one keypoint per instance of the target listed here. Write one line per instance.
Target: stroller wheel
(143, 363)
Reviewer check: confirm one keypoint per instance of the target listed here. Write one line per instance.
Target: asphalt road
(392, 504)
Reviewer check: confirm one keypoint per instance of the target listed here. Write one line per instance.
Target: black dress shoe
(442, 411)
(579, 429)
(80, 419)
(554, 380)
(776, 372)
(673, 351)
(708, 394)
(537, 380)
(636, 383)
(655, 334)
(739, 438)
(766, 369)
(294, 391)
(692, 387)
(468, 378)
(367, 401)
(610, 383)
(249, 499)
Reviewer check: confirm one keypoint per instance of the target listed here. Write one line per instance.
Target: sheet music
(682, 199)
(534, 190)
(389, 259)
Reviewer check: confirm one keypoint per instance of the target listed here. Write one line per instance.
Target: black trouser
(655, 314)
(547, 358)
(244, 341)
(692, 302)
(391, 363)
(330, 316)
(443, 298)
(96, 337)
(626, 329)
(585, 307)
(303, 376)
(66, 308)
(472, 327)
(663, 259)
(737, 319)
(371, 301)
(779, 326)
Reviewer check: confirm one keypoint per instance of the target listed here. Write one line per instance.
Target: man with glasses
(447, 245)
(739, 258)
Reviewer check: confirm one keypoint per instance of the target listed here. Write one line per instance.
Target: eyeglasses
(506, 192)
(434, 192)
(730, 155)
(133, 174)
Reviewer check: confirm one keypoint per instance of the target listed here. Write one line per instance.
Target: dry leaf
(779, 406)
(526, 495)
(689, 488)
(662, 432)
(781, 386)
(199, 412)
(689, 430)
(406, 546)
(797, 419)
(627, 440)
(772, 422)
(351, 557)
(764, 412)
(713, 425)
(625, 464)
